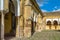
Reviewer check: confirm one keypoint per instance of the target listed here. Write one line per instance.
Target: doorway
(13, 24)
(13, 19)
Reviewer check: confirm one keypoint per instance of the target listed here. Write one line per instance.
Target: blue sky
(49, 5)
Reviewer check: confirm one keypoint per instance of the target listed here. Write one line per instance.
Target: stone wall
(7, 22)
(52, 18)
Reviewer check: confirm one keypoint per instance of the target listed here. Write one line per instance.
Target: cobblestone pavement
(44, 35)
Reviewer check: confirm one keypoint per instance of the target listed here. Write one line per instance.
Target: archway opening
(13, 18)
(49, 24)
(10, 19)
(55, 23)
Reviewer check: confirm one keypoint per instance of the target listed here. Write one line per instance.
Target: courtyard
(44, 35)
(29, 20)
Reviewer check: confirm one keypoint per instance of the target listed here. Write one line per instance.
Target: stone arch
(49, 24)
(11, 6)
(55, 23)
(11, 20)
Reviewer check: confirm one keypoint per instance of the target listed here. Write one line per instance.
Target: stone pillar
(36, 24)
(2, 25)
(39, 23)
(17, 27)
(17, 12)
(34, 20)
(20, 30)
(20, 21)
(2, 19)
(42, 23)
(27, 21)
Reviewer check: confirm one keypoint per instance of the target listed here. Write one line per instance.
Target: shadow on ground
(44, 35)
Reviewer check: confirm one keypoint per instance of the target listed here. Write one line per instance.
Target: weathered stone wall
(8, 23)
(27, 22)
(52, 26)
(6, 3)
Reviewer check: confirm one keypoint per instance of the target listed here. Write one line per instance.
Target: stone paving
(44, 35)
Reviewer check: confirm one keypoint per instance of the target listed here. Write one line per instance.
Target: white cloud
(44, 10)
(42, 2)
(56, 10)
(55, 7)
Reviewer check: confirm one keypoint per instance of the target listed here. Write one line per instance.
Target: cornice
(36, 6)
(28, 3)
(51, 13)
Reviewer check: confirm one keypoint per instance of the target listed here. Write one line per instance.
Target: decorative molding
(28, 3)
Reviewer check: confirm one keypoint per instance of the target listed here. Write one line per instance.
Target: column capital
(28, 3)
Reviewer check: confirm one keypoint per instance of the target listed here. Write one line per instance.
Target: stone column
(39, 22)
(20, 20)
(42, 23)
(27, 14)
(17, 12)
(18, 27)
(34, 20)
(2, 25)
(2, 19)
